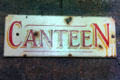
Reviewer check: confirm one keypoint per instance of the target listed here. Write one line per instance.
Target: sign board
(59, 36)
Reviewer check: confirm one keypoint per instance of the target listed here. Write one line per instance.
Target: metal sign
(59, 36)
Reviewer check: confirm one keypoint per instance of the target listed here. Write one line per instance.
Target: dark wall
(59, 68)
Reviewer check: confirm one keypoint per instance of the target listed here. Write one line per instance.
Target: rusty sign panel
(59, 36)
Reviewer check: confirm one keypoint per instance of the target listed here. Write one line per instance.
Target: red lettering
(12, 45)
(48, 40)
(102, 35)
(84, 37)
(32, 40)
(61, 34)
(73, 37)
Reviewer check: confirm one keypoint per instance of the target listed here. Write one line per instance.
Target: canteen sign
(59, 36)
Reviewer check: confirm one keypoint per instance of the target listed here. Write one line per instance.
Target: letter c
(9, 38)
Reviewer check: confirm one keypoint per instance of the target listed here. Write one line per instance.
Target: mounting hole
(26, 17)
(17, 34)
(100, 46)
(24, 55)
(36, 34)
(112, 36)
(69, 55)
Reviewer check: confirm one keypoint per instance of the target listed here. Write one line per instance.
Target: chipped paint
(69, 55)
(68, 20)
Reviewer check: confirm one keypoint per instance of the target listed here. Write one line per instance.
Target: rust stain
(100, 46)
(36, 34)
(112, 36)
(24, 55)
(113, 20)
(68, 20)
(115, 55)
(112, 53)
(9, 18)
(106, 52)
(70, 55)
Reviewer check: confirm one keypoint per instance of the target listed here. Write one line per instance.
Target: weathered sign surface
(59, 36)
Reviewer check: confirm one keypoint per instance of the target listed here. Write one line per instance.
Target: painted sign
(59, 36)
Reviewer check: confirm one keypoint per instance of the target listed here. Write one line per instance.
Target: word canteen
(59, 36)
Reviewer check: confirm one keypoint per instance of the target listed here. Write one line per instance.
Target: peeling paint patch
(68, 20)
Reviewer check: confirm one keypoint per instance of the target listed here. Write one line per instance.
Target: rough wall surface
(59, 68)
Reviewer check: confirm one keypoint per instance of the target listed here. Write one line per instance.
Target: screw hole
(70, 55)
(100, 46)
(17, 34)
(35, 34)
(26, 17)
(24, 55)
(112, 36)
